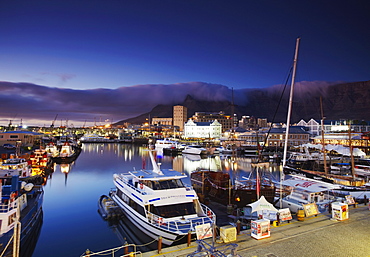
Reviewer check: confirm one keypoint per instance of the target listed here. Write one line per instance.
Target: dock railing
(113, 251)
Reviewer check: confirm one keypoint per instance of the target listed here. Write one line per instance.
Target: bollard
(126, 248)
(365, 199)
(159, 244)
(238, 227)
(87, 253)
(277, 219)
(189, 237)
(300, 215)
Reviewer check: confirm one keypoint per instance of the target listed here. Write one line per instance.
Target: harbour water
(71, 222)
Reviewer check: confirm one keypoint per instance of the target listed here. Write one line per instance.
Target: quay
(315, 236)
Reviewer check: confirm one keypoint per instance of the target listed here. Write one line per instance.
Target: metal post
(189, 237)
(159, 244)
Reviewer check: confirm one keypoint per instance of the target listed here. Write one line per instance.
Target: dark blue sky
(241, 44)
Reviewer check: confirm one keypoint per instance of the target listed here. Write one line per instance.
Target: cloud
(35, 102)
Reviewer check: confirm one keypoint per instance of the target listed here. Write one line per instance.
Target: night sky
(84, 46)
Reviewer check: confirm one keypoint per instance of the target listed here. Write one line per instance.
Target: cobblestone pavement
(315, 236)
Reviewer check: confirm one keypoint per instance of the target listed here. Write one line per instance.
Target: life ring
(209, 214)
(160, 221)
(12, 196)
(141, 185)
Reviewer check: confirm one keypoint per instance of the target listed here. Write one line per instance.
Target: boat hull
(151, 230)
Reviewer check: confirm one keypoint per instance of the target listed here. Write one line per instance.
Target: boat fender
(23, 184)
(28, 187)
(209, 214)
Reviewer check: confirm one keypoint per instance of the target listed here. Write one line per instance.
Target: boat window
(167, 184)
(175, 210)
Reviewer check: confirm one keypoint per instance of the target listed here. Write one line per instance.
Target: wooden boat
(108, 209)
(159, 204)
(217, 186)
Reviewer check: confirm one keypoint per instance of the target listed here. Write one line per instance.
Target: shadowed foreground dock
(315, 236)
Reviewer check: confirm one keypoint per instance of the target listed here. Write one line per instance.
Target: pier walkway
(315, 236)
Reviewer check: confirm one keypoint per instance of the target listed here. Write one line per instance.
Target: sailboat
(344, 185)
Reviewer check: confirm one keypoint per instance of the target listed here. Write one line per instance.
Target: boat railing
(183, 225)
(7, 205)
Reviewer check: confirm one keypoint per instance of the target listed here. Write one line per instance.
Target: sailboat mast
(351, 151)
(322, 137)
(290, 101)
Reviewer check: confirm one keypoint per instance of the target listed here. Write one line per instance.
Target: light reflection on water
(71, 221)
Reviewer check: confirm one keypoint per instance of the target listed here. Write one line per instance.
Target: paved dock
(315, 236)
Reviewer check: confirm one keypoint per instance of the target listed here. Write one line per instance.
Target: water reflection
(77, 223)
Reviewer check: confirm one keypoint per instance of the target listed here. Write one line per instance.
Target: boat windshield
(167, 184)
(174, 210)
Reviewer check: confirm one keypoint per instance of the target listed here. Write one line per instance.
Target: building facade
(225, 120)
(25, 138)
(180, 116)
(194, 129)
(314, 126)
(162, 121)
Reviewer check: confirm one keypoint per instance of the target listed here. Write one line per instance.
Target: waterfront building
(27, 138)
(262, 123)
(180, 116)
(298, 135)
(225, 120)
(248, 122)
(314, 126)
(193, 129)
(357, 140)
(162, 121)
(251, 138)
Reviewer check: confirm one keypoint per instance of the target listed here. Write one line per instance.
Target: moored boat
(218, 186)
(300, 191)
(195, 149)
(107, 208)
(41, 163)
(159, 204)
(15, 166)
(20, 215)
(67, 154)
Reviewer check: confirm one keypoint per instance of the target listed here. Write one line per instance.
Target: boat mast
(351, 151)
(290, 101)
(322, 136)
(288, 119)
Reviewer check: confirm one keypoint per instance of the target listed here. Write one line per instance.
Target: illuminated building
(194, 129)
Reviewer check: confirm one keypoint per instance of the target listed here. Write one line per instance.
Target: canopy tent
(262, 204)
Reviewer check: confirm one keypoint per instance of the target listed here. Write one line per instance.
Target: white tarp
(340, 149)
(309, 185)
